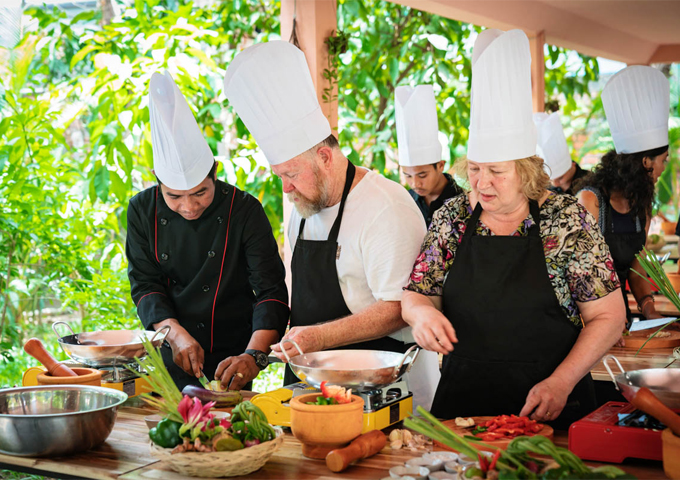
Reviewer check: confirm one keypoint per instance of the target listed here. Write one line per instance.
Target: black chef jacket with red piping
(220, 275)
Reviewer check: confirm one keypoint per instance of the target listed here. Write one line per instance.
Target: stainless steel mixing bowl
(50, 421)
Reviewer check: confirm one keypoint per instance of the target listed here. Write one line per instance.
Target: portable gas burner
(614, 432)
(372, 374)
(115, 377)
(382, 406)
(110, 351)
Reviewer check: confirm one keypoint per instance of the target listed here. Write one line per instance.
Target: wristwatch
(261, 358)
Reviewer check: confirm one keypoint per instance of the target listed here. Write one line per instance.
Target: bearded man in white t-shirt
(354, 234)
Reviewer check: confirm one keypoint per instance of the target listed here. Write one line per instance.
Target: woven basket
(220, 464)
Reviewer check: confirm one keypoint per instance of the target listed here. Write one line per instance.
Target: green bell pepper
(166, 433)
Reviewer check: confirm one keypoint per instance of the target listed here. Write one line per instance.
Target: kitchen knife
(204, 381)
(645, 324)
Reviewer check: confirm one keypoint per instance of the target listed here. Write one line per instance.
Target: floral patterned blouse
(580, 266)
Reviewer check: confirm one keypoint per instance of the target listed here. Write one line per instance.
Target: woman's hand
(431, 329)
(547, 399)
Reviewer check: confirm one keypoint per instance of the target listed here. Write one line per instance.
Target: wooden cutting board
(636, 339)
(502, 443)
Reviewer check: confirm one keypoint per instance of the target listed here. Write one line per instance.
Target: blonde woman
(518, 278)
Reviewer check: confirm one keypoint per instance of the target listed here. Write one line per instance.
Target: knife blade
(645, 324)
(204, 381)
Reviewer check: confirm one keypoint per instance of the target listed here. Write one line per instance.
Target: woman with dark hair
(620, 190)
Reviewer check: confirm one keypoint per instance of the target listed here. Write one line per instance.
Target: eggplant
(221, 399)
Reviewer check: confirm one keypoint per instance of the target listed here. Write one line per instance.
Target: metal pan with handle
(107, 348)
(664, 383)
(356, 369)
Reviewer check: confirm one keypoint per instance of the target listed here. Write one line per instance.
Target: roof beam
(562, 28)
(666, 54)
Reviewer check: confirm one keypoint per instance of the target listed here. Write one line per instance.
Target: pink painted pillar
(536, 44)
(316, 20)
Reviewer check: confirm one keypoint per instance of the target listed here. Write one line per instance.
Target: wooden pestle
(364, 446)
(36, 349)
(646, 401)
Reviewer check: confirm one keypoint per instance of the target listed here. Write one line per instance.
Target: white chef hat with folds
(552, 145)
(415, 111)
(501, 123)
(270, 87)
(636, 101)
(181, 156)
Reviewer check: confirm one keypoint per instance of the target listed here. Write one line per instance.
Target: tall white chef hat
(270, 87)
(552, 145)
(501, 124)
(415, 111)
(637, 103)
(181, 156)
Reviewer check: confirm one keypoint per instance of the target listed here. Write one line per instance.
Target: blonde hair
(534, 178)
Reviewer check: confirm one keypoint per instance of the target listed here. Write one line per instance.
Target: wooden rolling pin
(36, 349)
(364, 446)
(646, 401)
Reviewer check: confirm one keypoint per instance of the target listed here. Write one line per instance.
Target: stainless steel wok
(663, 382)
(107, 348)
(357, 369)
(56, 420)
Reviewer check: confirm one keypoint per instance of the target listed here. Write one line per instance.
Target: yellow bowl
(322, 428)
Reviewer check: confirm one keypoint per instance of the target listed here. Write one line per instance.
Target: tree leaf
(82, 53)
(101, 182)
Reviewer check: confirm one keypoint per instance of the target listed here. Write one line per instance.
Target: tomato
(340, 394)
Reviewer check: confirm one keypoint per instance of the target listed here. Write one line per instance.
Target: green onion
(660, 280)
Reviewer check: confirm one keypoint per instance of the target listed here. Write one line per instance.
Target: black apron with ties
(512, 332)
(316, 295)
(623, 245)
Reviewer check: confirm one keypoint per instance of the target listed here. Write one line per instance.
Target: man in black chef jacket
(420, 153)
(202, 256)
(354, 233)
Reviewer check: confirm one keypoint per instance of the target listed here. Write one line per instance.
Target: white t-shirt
(380, 237)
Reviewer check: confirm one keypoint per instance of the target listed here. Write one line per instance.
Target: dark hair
(211, 173)
(626, 174)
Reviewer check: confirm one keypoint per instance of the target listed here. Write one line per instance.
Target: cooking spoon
(646, 401)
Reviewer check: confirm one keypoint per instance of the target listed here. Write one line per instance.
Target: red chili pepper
(494, 459)
(483, 463)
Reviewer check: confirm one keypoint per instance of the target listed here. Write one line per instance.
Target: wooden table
(647, 358)
(125, 455)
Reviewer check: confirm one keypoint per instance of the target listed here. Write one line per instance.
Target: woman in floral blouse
(527, 306)
(506, 269)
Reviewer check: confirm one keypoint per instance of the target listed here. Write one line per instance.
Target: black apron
(512, 332)
(623, 247)
(316, 295)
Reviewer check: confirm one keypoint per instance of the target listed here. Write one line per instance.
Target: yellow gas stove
(382, 407)
(117, 378)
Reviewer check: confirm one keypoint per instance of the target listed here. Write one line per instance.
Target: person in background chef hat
(620, 191)
(507, 270)
(553, 149)
(202, 256)
(354, 234)
(420, 153)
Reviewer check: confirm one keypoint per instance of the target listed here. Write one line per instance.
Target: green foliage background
(75, 141)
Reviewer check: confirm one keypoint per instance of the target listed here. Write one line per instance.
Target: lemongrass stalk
(654, 269)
